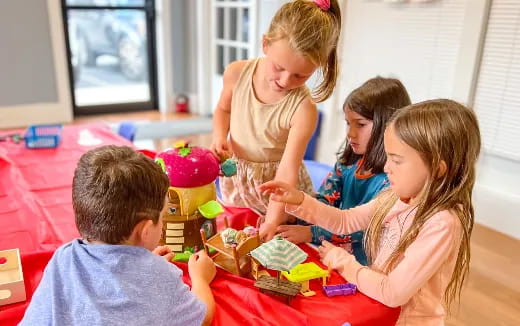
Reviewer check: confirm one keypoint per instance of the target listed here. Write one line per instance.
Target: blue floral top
(345, 188)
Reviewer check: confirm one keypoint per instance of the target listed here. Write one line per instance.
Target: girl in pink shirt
(417, 232)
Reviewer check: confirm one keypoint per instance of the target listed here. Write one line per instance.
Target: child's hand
(220, 148)
(341, 260)
(267, 231)
(201, 267)
(334, 257)
(295, 233)
(282, 192)
(165, 252)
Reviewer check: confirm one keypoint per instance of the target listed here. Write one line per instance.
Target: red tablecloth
(36, 216)
(35, 188)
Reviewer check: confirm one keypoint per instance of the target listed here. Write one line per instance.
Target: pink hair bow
(323, 4)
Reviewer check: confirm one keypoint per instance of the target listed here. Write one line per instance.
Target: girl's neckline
(362, 174)
(253, 91)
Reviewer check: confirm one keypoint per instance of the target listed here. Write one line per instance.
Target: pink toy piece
(197, 168)
(3, 260)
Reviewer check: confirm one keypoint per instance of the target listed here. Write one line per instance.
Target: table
(36, 216)
(35, 188)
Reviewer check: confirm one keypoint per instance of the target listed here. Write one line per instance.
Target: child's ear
(265, 44)
(146, 229)
(442, 169)
(140, 232)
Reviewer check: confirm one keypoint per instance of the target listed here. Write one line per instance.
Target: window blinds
(415, 42)
(497, 95)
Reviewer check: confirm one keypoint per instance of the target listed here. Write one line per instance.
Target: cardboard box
(12, 288)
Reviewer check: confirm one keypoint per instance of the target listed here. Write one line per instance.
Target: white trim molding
(205, 56)
(470, 52)
(163, 28)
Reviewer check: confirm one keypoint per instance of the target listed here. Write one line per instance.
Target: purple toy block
(339, 289)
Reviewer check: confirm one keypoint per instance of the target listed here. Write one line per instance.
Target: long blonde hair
(440, 131)
(314, 33)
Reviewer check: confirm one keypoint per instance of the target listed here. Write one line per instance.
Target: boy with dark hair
(110, 276)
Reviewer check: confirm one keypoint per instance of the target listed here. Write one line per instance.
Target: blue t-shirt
(344, 189)
(101, 284)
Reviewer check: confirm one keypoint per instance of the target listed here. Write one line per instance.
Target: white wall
(497, 194)
(34, 86)
(434, 48)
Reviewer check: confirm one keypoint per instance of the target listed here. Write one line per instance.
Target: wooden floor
(491, 295)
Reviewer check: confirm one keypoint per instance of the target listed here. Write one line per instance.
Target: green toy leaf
(185, 151)
(160, 161)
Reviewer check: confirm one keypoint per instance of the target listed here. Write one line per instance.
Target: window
(497, 96)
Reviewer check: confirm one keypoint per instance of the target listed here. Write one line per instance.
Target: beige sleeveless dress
(258, 134)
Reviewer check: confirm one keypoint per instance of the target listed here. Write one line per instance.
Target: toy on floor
(232, 251)
(192, 196)
(303, 273)
(12, 287)
(280, 255)
(339, 289)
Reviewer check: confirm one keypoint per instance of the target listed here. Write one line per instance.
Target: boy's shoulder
(111, 257)
(104, 274)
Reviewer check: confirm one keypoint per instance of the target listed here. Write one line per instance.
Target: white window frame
(209, 83)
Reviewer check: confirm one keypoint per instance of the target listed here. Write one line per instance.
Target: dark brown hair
(113, 189)
(376, 100)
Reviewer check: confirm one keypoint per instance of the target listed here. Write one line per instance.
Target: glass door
(233, 37)
(111, 54)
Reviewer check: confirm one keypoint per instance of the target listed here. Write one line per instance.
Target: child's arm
(329, 193)
(331, 187)
(316, 212)
(222, 114)
(202, 271)
(302, 126)
(435, 243)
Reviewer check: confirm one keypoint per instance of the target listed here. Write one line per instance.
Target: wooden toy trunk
(12, 288)
(181, 232)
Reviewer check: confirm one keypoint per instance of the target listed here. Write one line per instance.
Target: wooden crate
(12, 288)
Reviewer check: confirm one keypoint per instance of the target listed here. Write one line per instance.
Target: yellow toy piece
(179, 144)
(303, 273)
(191, 198)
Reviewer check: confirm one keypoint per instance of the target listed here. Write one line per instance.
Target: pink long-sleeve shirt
(418, 281)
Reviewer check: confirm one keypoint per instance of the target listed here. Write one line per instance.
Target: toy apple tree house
(192, 172)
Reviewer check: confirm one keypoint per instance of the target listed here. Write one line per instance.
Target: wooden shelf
(216, 243)
(228, 264)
